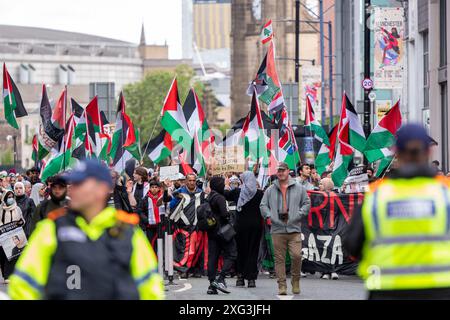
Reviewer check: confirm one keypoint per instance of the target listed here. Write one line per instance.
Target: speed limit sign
(367, 84)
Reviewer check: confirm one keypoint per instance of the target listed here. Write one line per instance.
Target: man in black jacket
(58, 192)
(216, 245)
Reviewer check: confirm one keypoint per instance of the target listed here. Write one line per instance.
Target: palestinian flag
(185, 167)
(287, 146)
(160, 147)
(77, 110)
(326, 152)
(59, 112)
(38, 152)
(62, 159)
(199, 131)
(267, 32)
(12, 101)
(266, 82)
(253, 130)
(384, 165)
(173, 120)
(383, 135)
(277, 103)
(313, 125)
(49, 134)
(356, 136)
(99, 140)
(124, 142)
(344, 150)
(235, 135)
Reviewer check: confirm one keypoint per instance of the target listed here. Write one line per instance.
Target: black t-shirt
(16, 251)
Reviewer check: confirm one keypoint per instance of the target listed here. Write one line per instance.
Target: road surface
(313, 288)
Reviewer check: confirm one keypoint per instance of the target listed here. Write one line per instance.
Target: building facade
(428, 56)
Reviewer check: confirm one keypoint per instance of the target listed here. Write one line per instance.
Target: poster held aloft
(169, 172)
(12, 239)
(357, 181)
(228, 159)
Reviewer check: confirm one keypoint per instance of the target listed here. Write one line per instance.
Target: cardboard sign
(228, 159)
(169, 172)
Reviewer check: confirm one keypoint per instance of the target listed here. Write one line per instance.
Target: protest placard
(357, 180)
(228, 159)
(169, 172)
(12, 239)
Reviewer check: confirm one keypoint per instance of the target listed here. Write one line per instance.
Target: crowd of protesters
(234, 199)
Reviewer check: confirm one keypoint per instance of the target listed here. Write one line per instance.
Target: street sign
(372, 96)
(367, 84)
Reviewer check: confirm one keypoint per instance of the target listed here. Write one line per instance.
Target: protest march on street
(187, 210)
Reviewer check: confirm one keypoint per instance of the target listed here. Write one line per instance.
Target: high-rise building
(212, 24)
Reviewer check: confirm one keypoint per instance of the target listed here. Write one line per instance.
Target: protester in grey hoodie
(285, 202)
(298, 206)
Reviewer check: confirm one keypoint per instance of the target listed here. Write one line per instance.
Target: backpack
(205, 217)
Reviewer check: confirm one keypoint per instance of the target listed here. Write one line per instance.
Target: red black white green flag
(12, 101)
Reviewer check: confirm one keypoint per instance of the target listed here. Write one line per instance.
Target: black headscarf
(217, 184)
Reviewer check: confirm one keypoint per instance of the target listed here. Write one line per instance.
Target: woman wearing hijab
(38, 193)
(9, 212)
(248, 228)
(26, 205)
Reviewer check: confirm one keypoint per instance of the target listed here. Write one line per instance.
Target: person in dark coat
(58, 193)
(119, 197)
(25, 204)
(248, 228)
(216, 245)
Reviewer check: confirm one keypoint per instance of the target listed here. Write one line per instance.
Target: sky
(118, 19)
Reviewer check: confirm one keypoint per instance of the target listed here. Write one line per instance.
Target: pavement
(312, 288)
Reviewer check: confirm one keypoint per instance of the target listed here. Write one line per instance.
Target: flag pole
(151, 136)
(389, 167)
(101, 127)
(86, 117)
(65, 128)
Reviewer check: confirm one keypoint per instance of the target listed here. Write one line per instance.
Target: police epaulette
(126, 217)
(57, 213)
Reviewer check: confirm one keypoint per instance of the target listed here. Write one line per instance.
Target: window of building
(443, 32)
(105, 92)
(426, 68)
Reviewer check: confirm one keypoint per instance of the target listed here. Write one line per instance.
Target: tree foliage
(145, 98)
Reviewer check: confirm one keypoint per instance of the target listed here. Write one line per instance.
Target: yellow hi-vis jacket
(407, 229)
(33, 269)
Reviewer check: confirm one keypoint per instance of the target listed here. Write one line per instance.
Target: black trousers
(7, 267)
(248, 241)
(216, 247)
